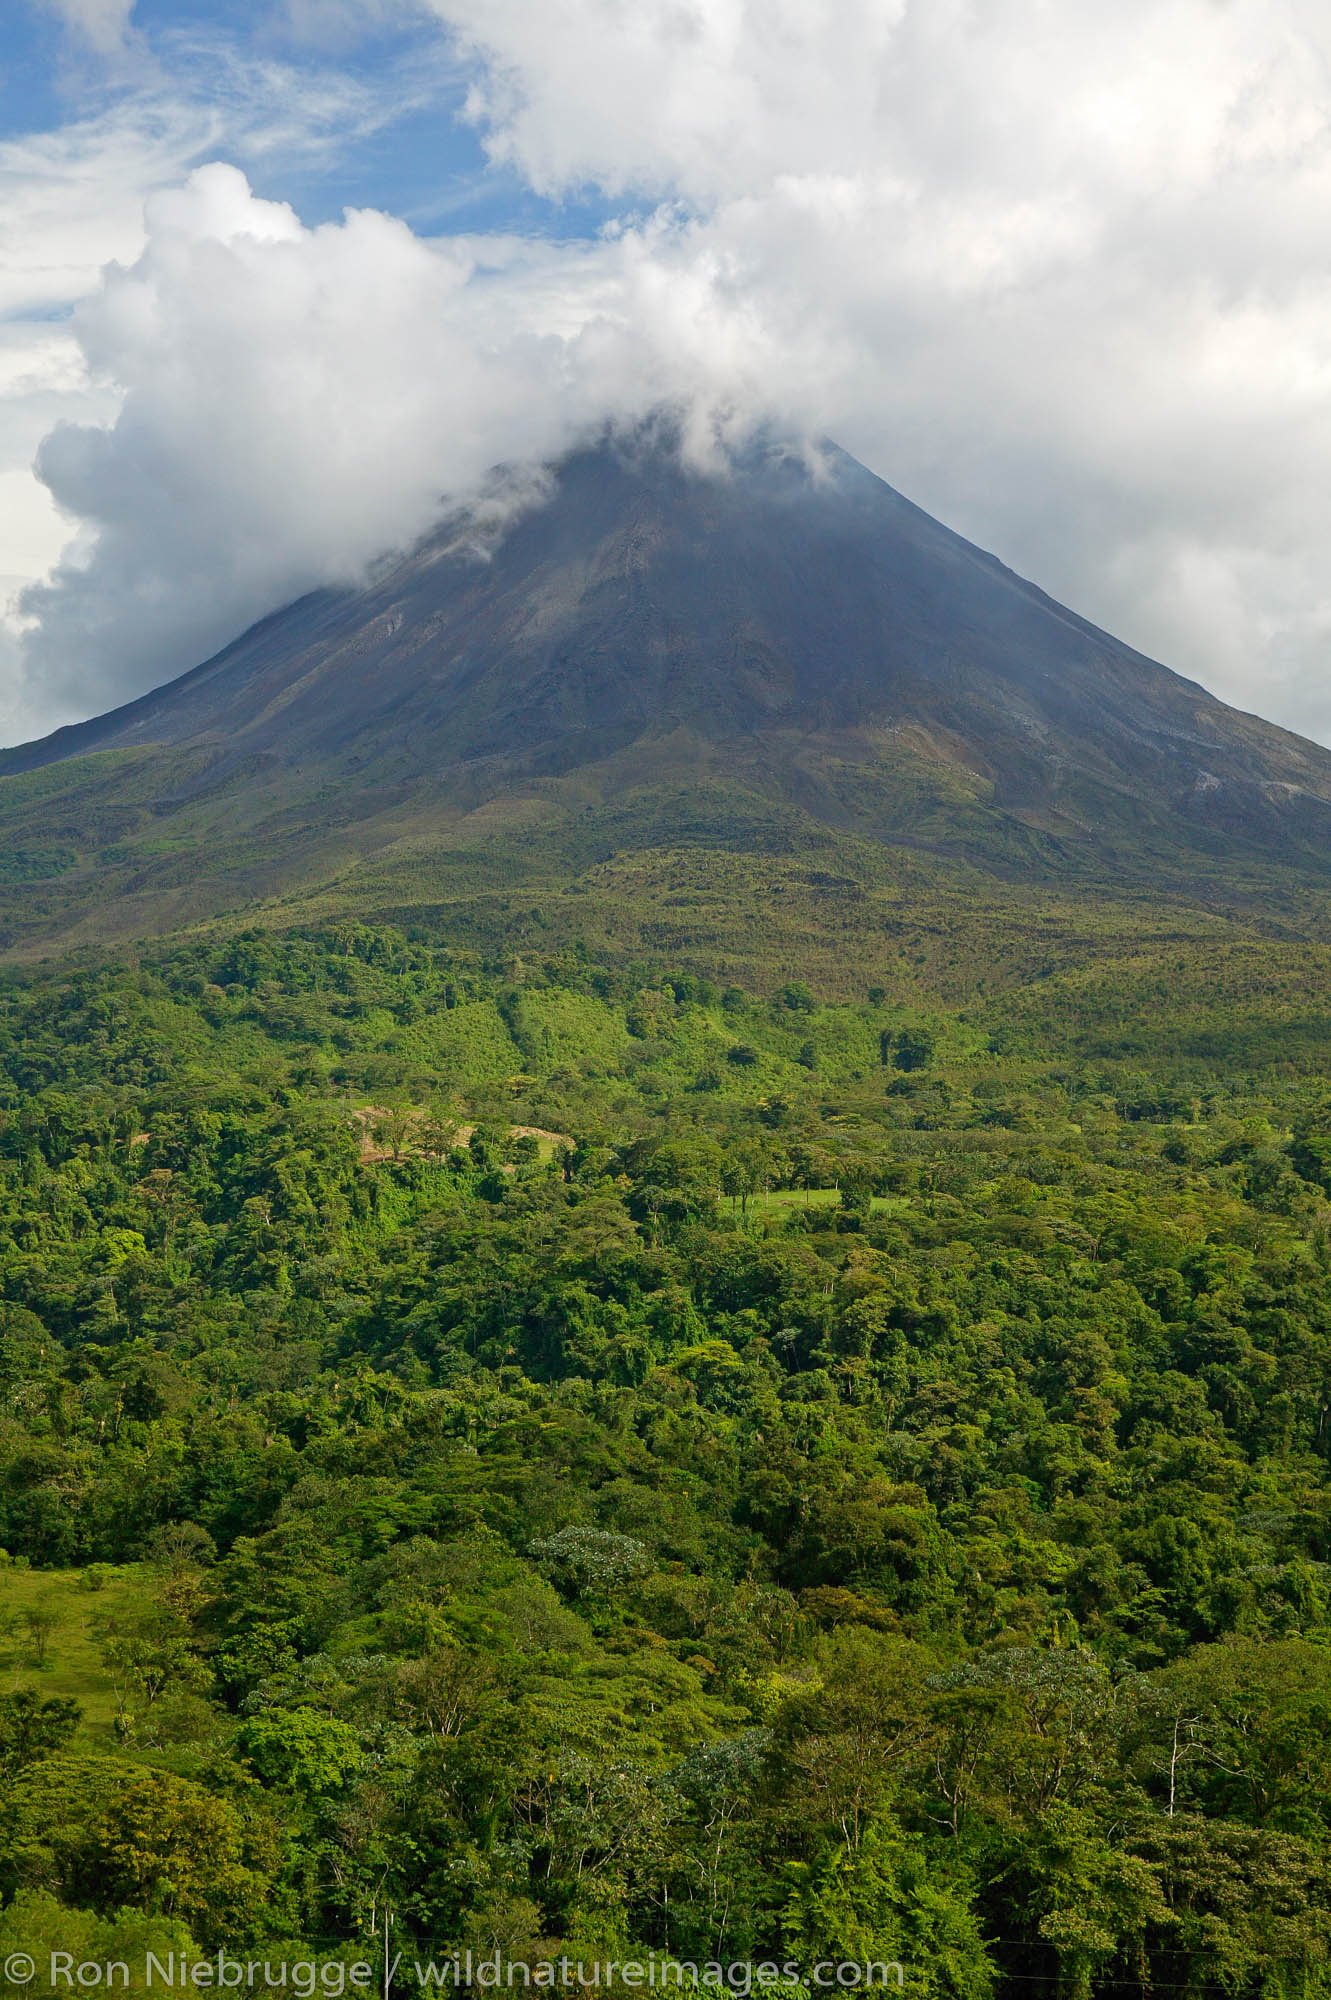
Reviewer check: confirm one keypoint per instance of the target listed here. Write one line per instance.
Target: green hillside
(713, 879)
(614, 1460)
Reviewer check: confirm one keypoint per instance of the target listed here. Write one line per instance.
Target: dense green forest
(591, 1460)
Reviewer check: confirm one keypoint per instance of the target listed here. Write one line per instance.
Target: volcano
(788, 657)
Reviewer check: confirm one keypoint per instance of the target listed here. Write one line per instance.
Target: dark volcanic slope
(653, 666)
(640, 599)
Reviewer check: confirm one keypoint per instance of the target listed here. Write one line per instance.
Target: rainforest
(574, 1457)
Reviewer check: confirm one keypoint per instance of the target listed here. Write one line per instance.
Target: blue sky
(413, 152)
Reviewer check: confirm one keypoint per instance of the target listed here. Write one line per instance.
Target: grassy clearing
(781, 1202)
(48, 1637)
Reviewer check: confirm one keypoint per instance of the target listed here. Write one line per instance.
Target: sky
(280, 280)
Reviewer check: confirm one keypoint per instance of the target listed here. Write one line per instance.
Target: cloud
(1057, 273)
(73, 199)
(1060, 273)
(70, 201)
(338, 24)
(104, 24)
(296, 401)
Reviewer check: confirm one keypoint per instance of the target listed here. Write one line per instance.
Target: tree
(590, 1562)
(39, 1622)
(165, 1846)
(311, 1754)
(32, 1727)
(149, 1650)
(882, 1904)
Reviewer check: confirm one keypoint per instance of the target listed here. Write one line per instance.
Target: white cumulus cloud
(296, 401)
